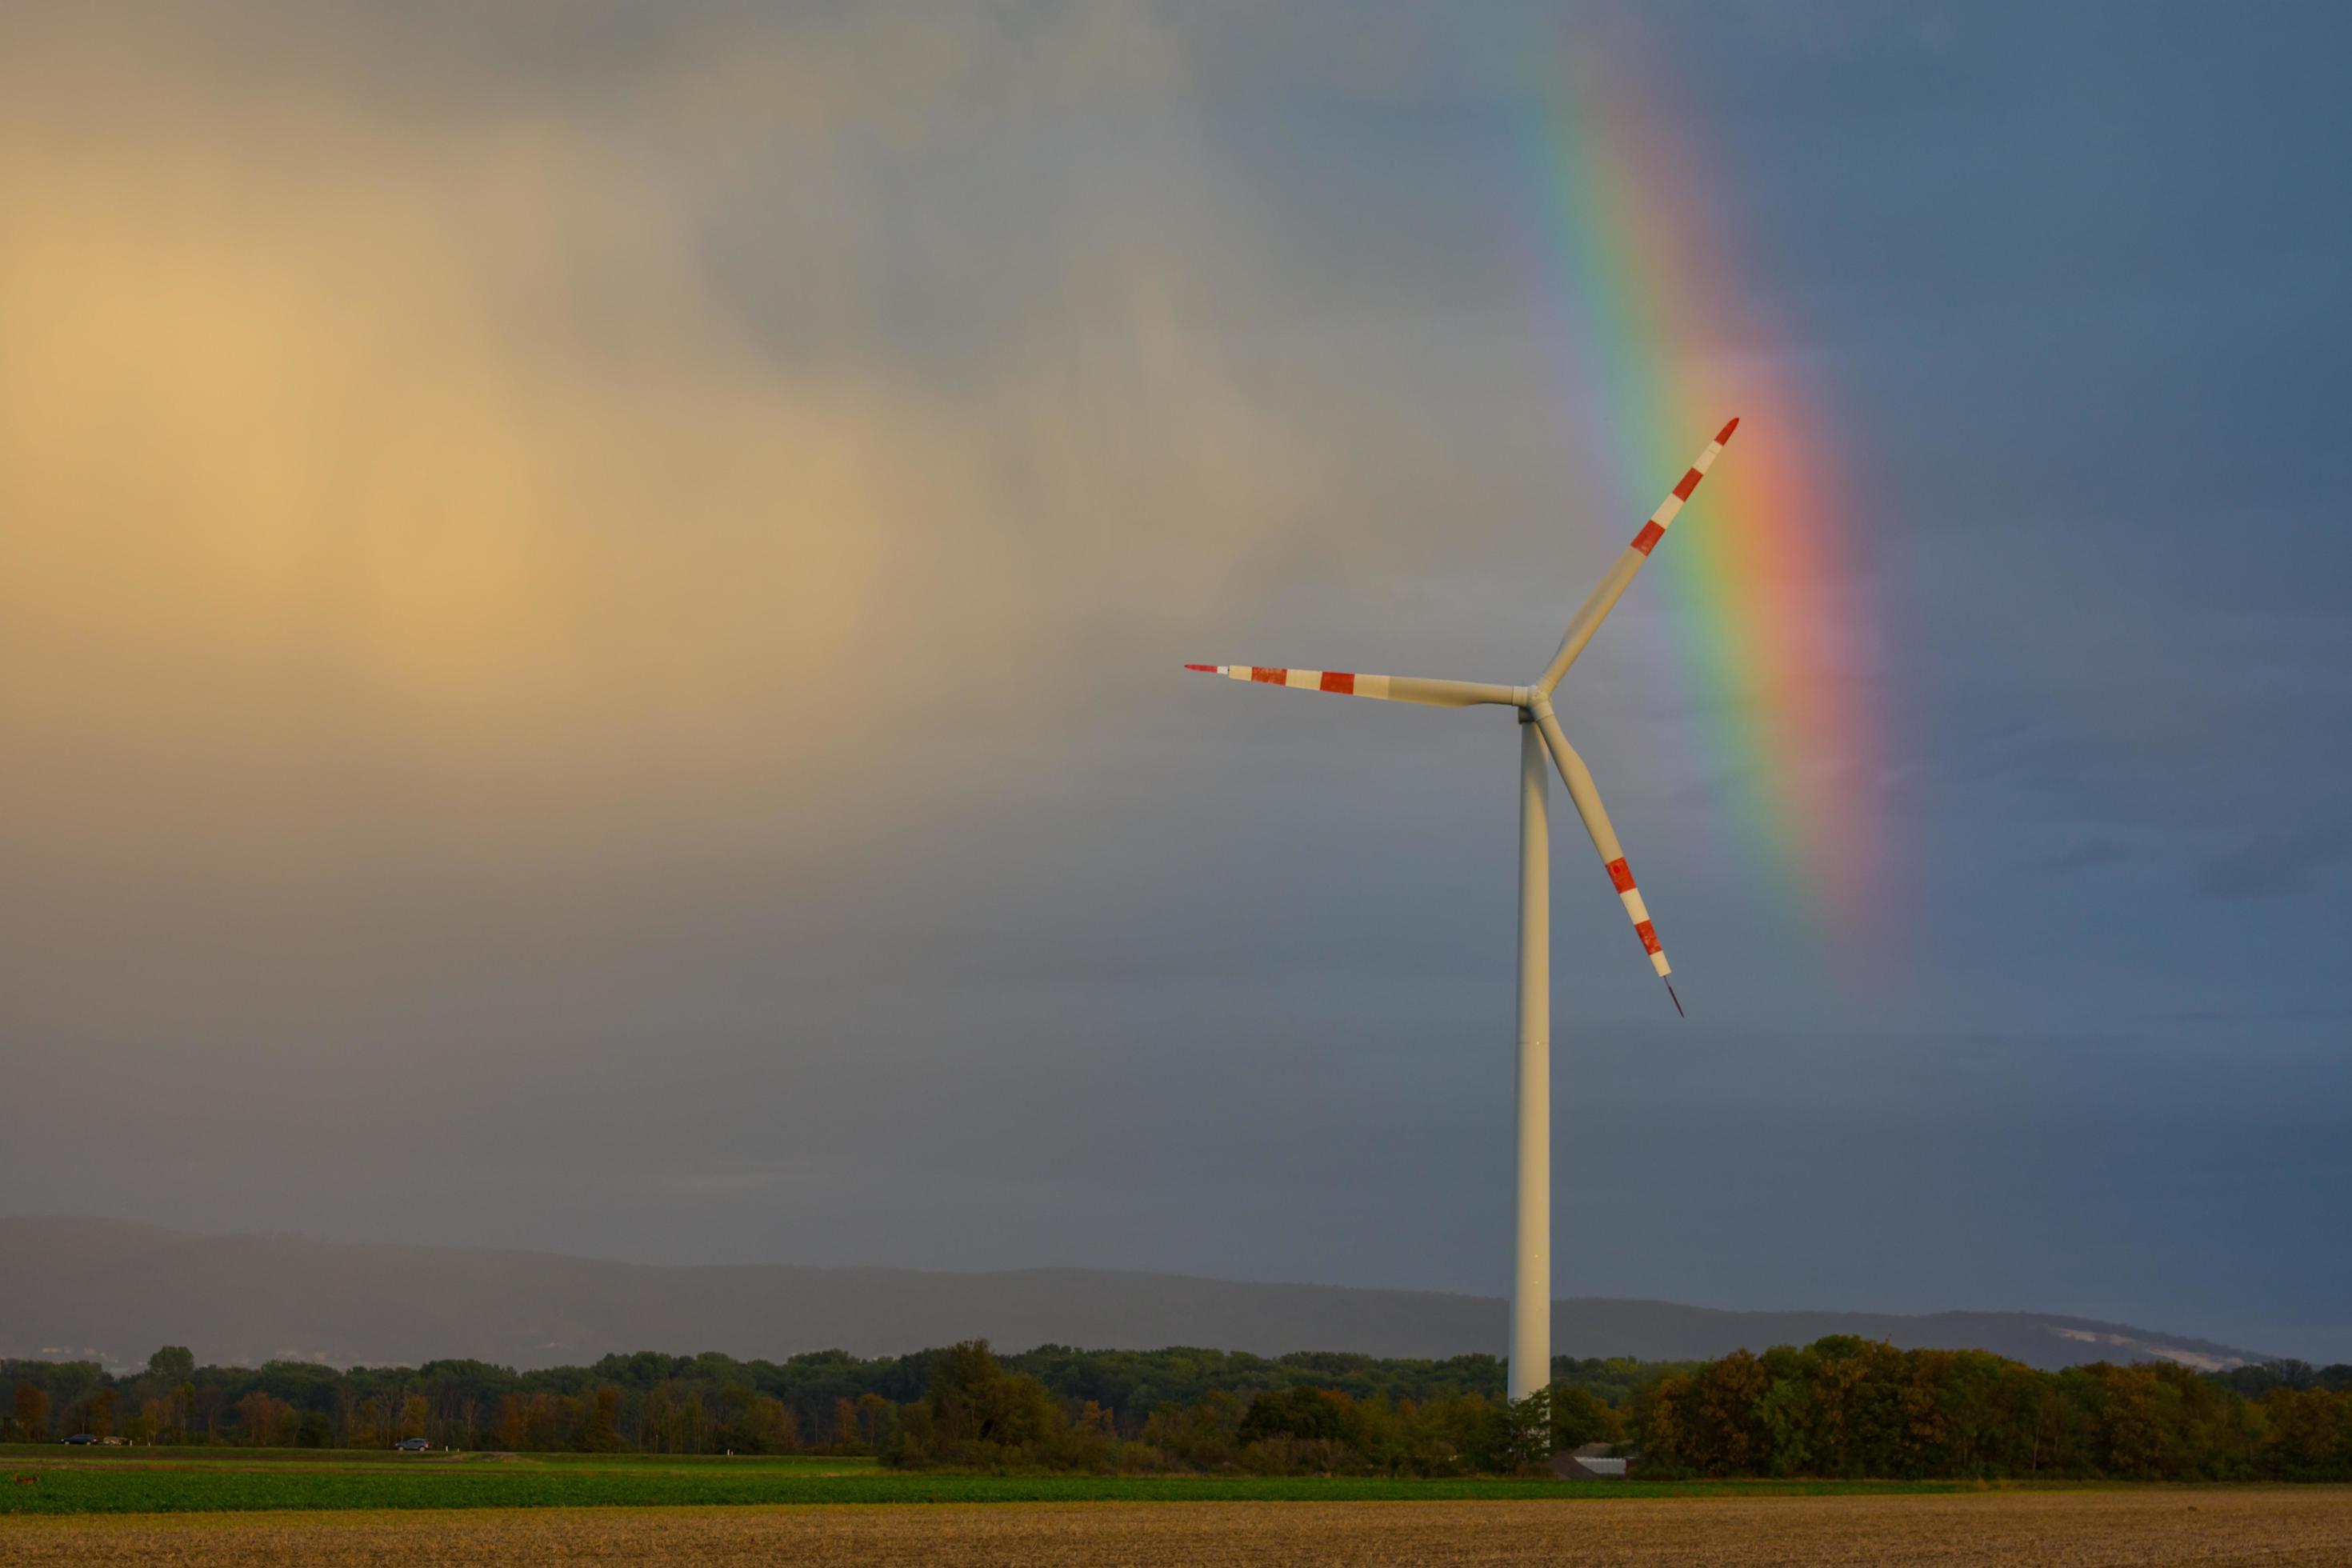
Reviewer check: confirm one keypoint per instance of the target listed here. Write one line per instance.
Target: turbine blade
(1604, 597)
(1580, 789)
(1391, 688)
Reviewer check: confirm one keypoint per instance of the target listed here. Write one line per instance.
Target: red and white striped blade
(1388, 688)
(1582, 790)
(1604, 597)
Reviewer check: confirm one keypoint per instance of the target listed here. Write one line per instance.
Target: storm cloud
(591, 597)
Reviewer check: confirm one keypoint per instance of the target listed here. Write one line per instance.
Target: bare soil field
(2303, 1525)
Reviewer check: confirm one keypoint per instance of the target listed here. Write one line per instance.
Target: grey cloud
(2278, 863)
(2083, 856)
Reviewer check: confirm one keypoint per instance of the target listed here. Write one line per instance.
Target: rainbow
(1657, 344)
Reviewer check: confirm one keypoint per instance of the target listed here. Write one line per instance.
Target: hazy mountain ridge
(112, 1291)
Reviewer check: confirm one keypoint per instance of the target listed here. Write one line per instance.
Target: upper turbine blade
(1392, 688)
(1580, 789)
(1603, 597)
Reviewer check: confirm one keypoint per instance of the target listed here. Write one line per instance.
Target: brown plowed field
(2284, 1525)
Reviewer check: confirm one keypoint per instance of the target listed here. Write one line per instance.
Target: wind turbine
(1539, 731)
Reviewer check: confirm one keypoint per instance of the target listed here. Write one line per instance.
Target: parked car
(78, 1438)
(413, 1446)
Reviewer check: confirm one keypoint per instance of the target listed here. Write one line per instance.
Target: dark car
(78, 1439)
(412, 1446)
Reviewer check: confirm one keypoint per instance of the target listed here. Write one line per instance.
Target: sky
(593, 599)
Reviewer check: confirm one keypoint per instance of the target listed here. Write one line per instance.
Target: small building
(1592, 1462)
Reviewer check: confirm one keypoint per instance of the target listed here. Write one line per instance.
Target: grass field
(2305, 1527)
(197, 1480)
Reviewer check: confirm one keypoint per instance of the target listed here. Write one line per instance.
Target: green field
(151, 1480)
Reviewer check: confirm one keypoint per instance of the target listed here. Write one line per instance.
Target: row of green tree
(1845, 1406)
(826, 1401)
(1842, 1406)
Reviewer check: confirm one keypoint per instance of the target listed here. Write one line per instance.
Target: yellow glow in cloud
(367, 465)
(267, 448)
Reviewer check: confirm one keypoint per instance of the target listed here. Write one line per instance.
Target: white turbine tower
(1539, 731)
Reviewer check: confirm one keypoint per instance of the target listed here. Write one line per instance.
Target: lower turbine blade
(1586, 800)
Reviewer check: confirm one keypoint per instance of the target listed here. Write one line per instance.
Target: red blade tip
(1203, 668)
(1724, 435)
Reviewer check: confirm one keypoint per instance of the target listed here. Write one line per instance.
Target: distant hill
(113, 1291)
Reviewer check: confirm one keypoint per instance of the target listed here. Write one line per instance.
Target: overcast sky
(592, 595)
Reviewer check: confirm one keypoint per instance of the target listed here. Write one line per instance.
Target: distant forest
(1840, 1407)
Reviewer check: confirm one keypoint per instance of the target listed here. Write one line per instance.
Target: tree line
(1842, 1406)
